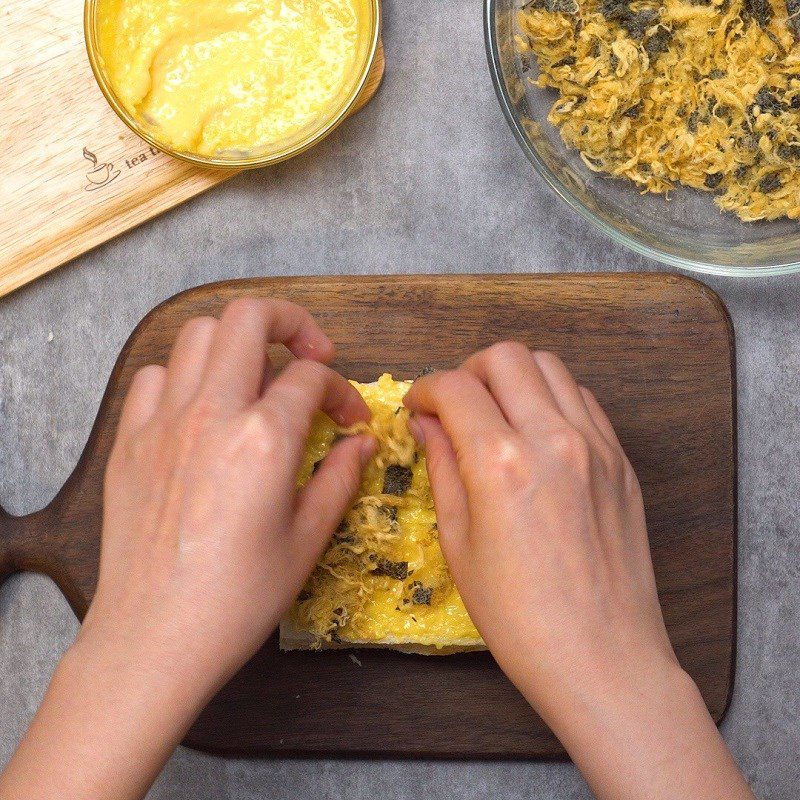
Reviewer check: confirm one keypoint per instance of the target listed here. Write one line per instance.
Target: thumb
(449, 494)
(323, 501)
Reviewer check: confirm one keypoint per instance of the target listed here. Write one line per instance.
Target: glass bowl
(339, 110)
(686, 230)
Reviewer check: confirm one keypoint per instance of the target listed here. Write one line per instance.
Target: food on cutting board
(704, 93)
(383, 581)
(225, 77)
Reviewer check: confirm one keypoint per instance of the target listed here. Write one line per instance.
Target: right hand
(542, 524)
(541, 520)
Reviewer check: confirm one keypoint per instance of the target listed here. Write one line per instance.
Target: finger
(187, 361)
(601, 421)
(323, 501)
(447, 485)
(468, 413)
(511, 374)
(566, 393)
(303, 389)
(143, 397)
(239, 354)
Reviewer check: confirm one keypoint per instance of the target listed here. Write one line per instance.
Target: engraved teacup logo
(100, 174)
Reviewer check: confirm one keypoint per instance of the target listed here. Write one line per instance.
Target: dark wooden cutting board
(658, 352)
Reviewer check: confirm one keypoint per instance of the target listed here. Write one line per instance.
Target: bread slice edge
(291, 637)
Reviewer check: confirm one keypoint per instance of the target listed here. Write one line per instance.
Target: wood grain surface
(72, 175)
(658, 352)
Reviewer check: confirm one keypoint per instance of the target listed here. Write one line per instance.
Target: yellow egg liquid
(232, 77)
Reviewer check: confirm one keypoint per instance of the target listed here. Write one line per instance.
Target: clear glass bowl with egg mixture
(685, 230)
(297, 141)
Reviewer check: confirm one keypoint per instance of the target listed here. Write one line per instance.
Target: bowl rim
(251, 162)
(515, 123)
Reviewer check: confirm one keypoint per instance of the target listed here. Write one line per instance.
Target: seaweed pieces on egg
(385, 542)
(421, 595)
(398, 570)
(397, 479)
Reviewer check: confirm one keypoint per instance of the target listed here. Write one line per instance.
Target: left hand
(206, 541)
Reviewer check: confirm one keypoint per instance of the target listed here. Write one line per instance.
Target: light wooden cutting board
(71, 173)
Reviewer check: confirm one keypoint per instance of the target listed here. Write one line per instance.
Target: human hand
(542, 524)
(205, 540)
(540, 518)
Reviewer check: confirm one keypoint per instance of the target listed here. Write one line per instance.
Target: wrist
(151, 683)
(108, 723)
(154, 649)
(643, 729)
(616, 698)
(583, 684)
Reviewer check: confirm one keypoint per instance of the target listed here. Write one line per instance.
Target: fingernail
(321, 350)
(416, 430)
(369, 446)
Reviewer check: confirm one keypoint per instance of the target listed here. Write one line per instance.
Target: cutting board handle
(40, 542)
(10, 544)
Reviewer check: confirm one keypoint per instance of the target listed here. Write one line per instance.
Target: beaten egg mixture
(229, 76)
(383, 579)
(705, 93)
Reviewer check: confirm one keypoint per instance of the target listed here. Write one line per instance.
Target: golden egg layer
(383, 578)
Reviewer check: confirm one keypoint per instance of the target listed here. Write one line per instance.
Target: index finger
(468, 413)
(510, 372)
(239, 355)
(304, 388)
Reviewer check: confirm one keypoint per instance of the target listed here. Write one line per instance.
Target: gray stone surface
(427, 179)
